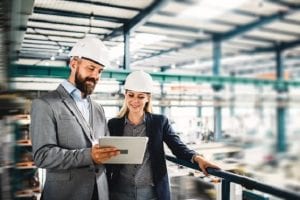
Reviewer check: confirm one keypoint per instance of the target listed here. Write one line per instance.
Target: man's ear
(72, 64)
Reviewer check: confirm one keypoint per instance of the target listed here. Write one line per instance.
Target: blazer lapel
(148, 125)
(71, 105)
(120, 127)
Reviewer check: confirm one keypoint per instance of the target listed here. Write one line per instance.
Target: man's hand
(203, 164)
(101, 154)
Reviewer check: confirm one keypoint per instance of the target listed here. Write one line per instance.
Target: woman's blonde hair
(124, 110)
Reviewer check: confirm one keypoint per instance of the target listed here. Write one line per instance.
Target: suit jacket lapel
(71, 105)
(92, 115)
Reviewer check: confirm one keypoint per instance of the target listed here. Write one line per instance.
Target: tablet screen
(132, 149)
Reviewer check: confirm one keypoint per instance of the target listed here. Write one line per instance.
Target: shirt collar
(128, 122)
(68, 86)
(72, 90)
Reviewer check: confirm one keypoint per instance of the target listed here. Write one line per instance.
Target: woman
(150, 179)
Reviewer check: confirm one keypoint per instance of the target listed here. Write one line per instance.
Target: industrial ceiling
(178, 36)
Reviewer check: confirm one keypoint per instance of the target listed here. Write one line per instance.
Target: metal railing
(248, 183)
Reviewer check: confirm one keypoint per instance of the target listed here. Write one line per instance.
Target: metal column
(162, 107)
(232, 99)
(281, 110)
(216, 72)
(126, 60)
(162, 93)
(199, 106)
(225, 189)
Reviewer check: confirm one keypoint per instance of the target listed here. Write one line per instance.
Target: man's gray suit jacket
(62, 141)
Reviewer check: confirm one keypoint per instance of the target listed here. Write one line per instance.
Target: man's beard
(81, 84)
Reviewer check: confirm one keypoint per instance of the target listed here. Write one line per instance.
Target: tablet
(132, 149)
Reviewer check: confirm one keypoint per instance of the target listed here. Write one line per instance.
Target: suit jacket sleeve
(178, 148)
(46, 151)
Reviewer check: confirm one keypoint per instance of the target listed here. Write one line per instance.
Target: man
(65, 125)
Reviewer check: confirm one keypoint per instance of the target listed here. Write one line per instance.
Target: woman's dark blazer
(159, 130)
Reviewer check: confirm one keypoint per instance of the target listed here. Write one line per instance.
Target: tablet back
(132, 149)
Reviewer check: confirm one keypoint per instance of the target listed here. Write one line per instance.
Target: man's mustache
(91, 79)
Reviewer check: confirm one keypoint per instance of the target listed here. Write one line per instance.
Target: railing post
(225, 190)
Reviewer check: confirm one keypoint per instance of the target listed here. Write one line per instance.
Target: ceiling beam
(177, 49)
(47, 40)
(170, 35)
(283, 46)
(38, 56)
(259, 39)
(138, 20)
(280, 31)
(105, 4)
(239, 30)
(291, 21)
(179, 28)
(54, 29)
(53, 35)
(67, 23)
(162, 77)
(66, 13)
(284, 3)
(289, 45)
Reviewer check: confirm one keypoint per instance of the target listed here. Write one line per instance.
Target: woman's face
(136, 101)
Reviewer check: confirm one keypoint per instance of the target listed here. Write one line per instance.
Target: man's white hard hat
(139, 81)
(91, 48)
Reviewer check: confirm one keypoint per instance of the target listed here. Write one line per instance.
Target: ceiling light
(208, 9)
(147, 38)
(60, 50)
(144, 39)
(117, 51)
(137, 42)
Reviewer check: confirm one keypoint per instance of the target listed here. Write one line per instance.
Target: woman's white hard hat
(139, 81)
(91, 48)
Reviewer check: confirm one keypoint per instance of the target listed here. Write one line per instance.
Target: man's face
(87, 75)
